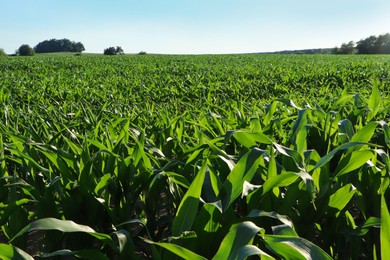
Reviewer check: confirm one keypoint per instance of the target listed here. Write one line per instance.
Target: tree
(25, 50)
(113, 50)
(346, 48)
(2, 52)
(119, 50)
(63, 45)
(367, 46)
(383, 44)
(375, 45)
(110, 51)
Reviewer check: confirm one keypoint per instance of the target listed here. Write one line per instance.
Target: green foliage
(374, 44)
(346, 48)
(2, 52)
(194, 157)
(25, 50)
(55, 45)
(113, 50)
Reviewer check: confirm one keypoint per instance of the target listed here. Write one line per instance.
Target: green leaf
(250, 140)
(341, 197)
(353, 161)
(188, 208)
(369, 223)
(261, 213)
(330, 155)
(299, 132)
(294, 248)
(290, 153)
(251, 250)
(386, 131)
(272, 168)
(309, 183)
(126, 246)
(346, 130)
(209, 216)
(385, 229)
(178, 250)
(65, 226)
(222, 155)
(104, 181)
(239, 236)
(281, 180)
(284, 230)
(287, 102)
(10, 252)
(283, 250)
(365, 134)
(244, 170)
(374, 103)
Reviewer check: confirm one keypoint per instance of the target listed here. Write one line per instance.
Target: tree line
(370, 45)
(53, 45)
(62, 45)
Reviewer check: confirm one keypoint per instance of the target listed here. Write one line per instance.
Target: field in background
(210, 156)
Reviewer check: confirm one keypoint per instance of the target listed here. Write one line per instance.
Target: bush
(142, 53)
(113, 50)
(25, 50)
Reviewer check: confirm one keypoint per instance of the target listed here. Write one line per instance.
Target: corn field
(195, 157)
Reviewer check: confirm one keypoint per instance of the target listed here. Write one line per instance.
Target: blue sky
(192, 26)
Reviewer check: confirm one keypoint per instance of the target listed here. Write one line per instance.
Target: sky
(192, 26)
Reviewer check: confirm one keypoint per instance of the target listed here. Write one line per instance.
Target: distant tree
(382, 44)
(367, 46)
(113, 50)
(25, 50)
(119, 50)
(78, 47)
(346, 48)
(110, 51)
(62, 45)
(2, 52)
(142, 53)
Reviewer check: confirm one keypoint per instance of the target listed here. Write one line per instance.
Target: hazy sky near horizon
(192, 26)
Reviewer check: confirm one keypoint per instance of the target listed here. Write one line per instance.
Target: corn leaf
(299, 132)
(261, 213)
(65, 226)
(251, 250)
(188, 207)
(250, 140)
(346, 130)
(239, 236)
(280, 180)
(294, 248)
(10, 252)
(243, 171)
(365, 134)
(325, 159)
(341, 197)
(385, 229)
(353, 161)
(178, 250)
(374, 102)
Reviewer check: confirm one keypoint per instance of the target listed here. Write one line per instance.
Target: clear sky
(192, 26)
